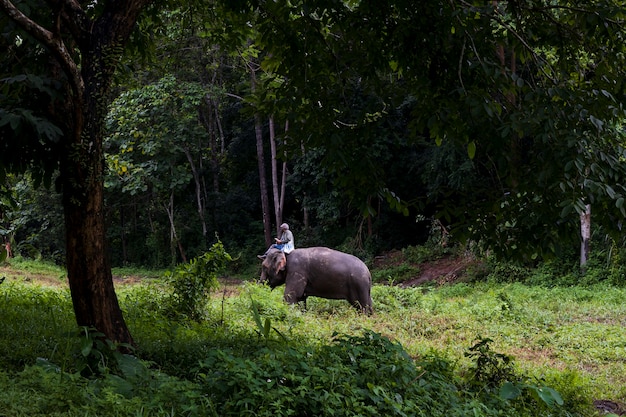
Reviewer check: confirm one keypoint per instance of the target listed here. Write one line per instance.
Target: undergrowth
(493, 348)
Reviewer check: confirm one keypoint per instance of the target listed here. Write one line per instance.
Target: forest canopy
(500, 121)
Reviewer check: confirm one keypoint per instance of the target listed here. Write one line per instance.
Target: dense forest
(139, 134)
(173, 138)
(218, 133)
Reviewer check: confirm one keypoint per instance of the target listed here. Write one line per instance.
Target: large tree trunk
(82, 172)
(88, 76)
(89, 272)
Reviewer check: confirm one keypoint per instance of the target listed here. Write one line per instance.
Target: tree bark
(278, 187)
(278, 214)
(585, 234)
(97, 45)
(198, 182)
(283, 181)
(258, 130)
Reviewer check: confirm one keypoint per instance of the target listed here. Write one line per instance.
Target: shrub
(507, 272)
(425, 253)
(366, 375)
(192, 282)
(395, 274)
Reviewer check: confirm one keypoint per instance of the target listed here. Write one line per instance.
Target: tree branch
(51, 41)
(76, 20)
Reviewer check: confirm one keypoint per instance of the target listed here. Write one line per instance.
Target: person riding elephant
(319, 272)
(284, 243)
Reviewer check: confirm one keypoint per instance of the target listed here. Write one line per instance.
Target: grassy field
(569, 338)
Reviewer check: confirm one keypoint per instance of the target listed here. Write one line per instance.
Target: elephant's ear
(281, 262)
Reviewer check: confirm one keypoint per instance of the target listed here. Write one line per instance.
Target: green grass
(568, 338)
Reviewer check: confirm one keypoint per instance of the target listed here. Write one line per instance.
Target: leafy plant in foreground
(492, 370)
(263, 327)
(192, 282)
(366, 375)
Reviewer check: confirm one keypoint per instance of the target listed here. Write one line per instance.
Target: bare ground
(445, 270)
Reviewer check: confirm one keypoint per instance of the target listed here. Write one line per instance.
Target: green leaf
(549, 396)
(267, 328)
(610, 191)
(509, 391)
(471, 149)
(86, 346)
(566, 210)
(596, 122)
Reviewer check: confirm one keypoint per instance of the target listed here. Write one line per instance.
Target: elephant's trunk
(263, 277)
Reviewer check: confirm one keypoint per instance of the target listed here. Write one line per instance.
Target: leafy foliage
(183, 366)
(192, 282)
(534, 107)
(365, 375)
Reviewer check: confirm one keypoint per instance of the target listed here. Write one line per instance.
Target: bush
(395, 274)
(192, 282)
(364, 375)
(425, 253)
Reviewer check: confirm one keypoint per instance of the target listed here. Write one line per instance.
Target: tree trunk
(174, 241)
(278, 214)
(209, 118)
(87, 52)
(88, 269)
(283, 181)
(265, 204)
(198, 182)
(258, 130)
(585, 234)
(278, 187)
(123, 235)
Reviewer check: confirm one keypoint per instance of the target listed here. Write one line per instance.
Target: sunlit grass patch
(35, 322)
(36, 272)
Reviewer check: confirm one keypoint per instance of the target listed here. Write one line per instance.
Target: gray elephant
(319, 272)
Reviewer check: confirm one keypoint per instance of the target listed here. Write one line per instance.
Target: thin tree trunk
(174, 241)
(258, 130)
(278, 187)
(305, 200)
(585, 233)
(278, 215)
(283, 181)
(123, 233)
(198, 184)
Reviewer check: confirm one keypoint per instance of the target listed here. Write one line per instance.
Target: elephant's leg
(362, 302)
(356, 303)
(294, 289)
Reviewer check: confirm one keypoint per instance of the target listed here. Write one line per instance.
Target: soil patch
(445, 270)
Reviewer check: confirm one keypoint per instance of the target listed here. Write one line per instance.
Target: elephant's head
(273, 268)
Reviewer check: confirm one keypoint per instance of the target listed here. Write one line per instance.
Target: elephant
(319, 272)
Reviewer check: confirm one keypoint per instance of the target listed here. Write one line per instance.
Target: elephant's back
(322, 259)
